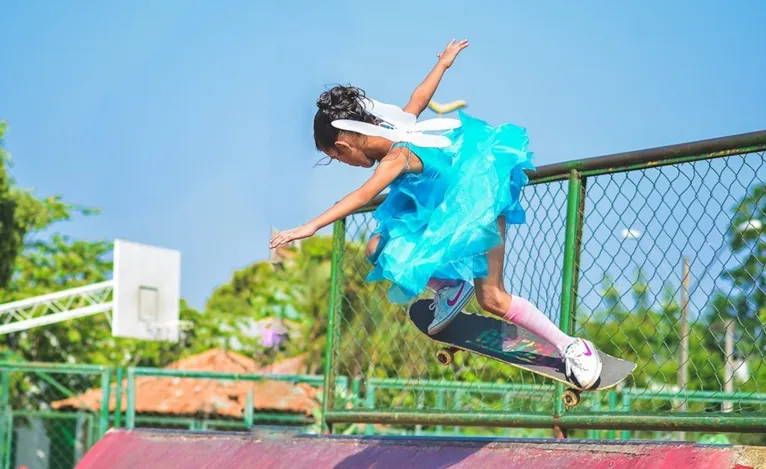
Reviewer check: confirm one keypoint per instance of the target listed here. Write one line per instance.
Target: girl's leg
(581, 359)
(372, 246)
(493, 298)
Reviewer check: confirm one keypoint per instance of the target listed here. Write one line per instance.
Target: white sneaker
(582, 363)
(448, 301)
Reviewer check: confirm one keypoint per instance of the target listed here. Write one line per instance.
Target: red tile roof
(188, 396)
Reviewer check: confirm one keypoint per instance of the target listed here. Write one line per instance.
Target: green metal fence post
(249, 408)
(336, 294)
(80, 436)
(130, 408)
(569, 271)
(92, 429)
(440, 406)
(458, 406)
(612, 434)
(89, 437)
(5, 389)
(369, 399)
(506, 408)
(580, 221)
(626, 407)
(356, 390)
(118, 399)
(595, 407)
(106, 383)
(421, 402)
(8, 440)
(6, 428)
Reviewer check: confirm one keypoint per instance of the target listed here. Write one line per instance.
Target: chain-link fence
(48, 440)
(656, 256)
(36, 433)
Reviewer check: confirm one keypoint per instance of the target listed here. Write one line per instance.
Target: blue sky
(189, 122)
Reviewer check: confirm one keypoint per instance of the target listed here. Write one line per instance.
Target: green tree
(304, 285)
(233, 308)
(21, 213)
(743, 300)
(294, 291)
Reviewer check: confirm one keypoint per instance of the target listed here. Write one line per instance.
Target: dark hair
(339, 102)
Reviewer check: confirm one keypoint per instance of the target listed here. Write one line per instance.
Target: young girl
(444, 221)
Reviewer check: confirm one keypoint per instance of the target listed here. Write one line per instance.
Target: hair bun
(342, 102)
(339, 102)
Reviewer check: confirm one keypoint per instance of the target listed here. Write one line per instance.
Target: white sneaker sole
(436, 327)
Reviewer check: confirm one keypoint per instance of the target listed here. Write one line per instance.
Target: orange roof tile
(187, 396)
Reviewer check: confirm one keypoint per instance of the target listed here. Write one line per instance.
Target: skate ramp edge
(160, 449)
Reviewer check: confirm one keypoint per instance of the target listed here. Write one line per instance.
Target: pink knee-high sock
(526, 315)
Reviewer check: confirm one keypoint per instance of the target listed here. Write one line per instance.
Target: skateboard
(516, 346)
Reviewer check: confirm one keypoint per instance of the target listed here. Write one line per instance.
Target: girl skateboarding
(451, 198)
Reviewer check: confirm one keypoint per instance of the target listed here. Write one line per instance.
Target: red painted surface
(184, 450)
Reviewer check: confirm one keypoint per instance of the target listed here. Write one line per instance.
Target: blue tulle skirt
(441, 222)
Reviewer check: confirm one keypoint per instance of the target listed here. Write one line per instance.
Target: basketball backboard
(147, 291)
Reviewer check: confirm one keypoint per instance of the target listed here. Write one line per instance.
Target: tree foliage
(21, 213)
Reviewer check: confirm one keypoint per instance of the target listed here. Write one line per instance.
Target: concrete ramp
(155, 449)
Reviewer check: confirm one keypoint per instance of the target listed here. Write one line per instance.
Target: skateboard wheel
(445, 356)
(571, 398)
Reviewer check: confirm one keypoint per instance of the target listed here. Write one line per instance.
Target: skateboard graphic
(516, 346)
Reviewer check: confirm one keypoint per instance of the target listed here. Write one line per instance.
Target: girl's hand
(285, 237)
(447, 57)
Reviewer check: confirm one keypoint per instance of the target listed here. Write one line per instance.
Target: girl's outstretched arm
(425, 91)
(389, 168)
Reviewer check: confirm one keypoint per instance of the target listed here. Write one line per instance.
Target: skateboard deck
(516, 346)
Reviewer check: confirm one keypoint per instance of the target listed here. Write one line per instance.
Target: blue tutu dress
(441, 222)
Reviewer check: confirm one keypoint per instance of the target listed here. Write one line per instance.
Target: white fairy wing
(364, 128)
(391, 114)
(438, 123)
(428, 141)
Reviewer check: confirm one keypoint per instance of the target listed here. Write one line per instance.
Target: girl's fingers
(278, 240)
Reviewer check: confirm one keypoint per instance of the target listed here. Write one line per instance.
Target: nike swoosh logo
(452, 302)
(588, 353)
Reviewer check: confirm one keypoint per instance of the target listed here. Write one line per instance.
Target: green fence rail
(655, 255)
